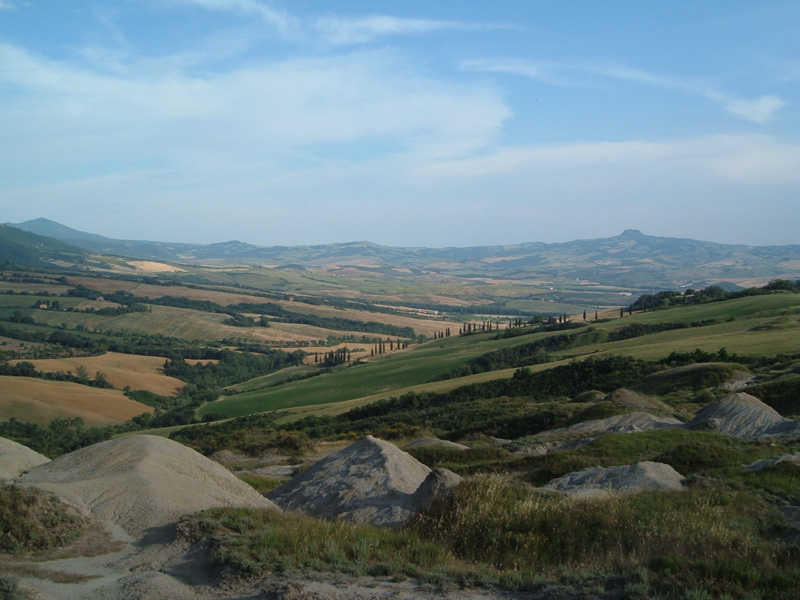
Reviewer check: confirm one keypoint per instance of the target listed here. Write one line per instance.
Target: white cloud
(280, 20)
(334, 30)
(343, 31)
(271, 111)
(759, 110)
(751, 160)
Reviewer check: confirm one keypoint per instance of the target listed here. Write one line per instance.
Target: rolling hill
(632, 259)
(21, 247)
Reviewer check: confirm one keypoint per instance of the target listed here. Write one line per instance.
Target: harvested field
(193, 325)
(41, 401)
(32, 288)
(150, 266)
(141, 290)
(426, 327)
(138, 372)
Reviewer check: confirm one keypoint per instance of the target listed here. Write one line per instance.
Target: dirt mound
(627, 479)
(689, 378)
(764, 463)
(15, 459)
(427, 442)
(371, 481)
(141, 482)
(744, 416)
(738, 381)
(627, 423)
(625, 398)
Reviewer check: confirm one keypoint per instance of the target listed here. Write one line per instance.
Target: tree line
(712, 293)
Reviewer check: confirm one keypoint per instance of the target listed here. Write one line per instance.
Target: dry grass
(149, 266)
(192, 325)
(32, 570)
(40, 401)
(107, 286)
(138, 372)
(224, 298)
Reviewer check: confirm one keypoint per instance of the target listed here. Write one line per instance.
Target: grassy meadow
(743, 326)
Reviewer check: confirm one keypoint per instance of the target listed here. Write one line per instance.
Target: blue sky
(437, 123)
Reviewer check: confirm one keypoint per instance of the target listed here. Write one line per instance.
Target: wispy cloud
(723, 159)
(347, 31)
(336, 30)
(265, 112)
(6, 5)
(759, 110)
(283, 22)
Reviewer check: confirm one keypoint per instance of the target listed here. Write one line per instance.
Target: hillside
(644, 419)
(631, 260)
(20, 247)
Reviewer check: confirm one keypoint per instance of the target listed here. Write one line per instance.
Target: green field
(747, 327)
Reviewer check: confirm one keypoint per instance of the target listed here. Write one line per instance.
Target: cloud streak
(758, 110)
(338, 30)
(350, 31)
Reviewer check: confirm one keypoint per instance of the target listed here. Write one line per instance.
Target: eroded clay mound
(142, 481)
(371, 481)
(15, 459)
(428, 442)
(744, 416)
(627, 479)
(630, 422)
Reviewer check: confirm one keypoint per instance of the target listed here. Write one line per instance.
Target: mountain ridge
(631, 259)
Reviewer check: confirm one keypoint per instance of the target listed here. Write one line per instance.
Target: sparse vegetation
(493, 531)
(723, 538)
(33, 521)
(253, 541)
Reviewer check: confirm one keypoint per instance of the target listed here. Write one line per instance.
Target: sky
(417, 123)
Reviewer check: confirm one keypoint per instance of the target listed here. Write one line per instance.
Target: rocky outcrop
(371, 481)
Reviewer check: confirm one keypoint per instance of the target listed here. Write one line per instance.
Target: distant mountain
(49, 228)
(103, 245)
(23, 248)
(630, 260)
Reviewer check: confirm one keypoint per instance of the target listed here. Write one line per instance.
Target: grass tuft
(34, 521)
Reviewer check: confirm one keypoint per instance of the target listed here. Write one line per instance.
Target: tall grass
(708, 541)
(684, 538)
(255, 541)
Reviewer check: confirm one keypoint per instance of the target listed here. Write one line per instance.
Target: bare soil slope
(371, 481)
(15, 459)
(142, 482)
(742, 415)
(625, 479)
